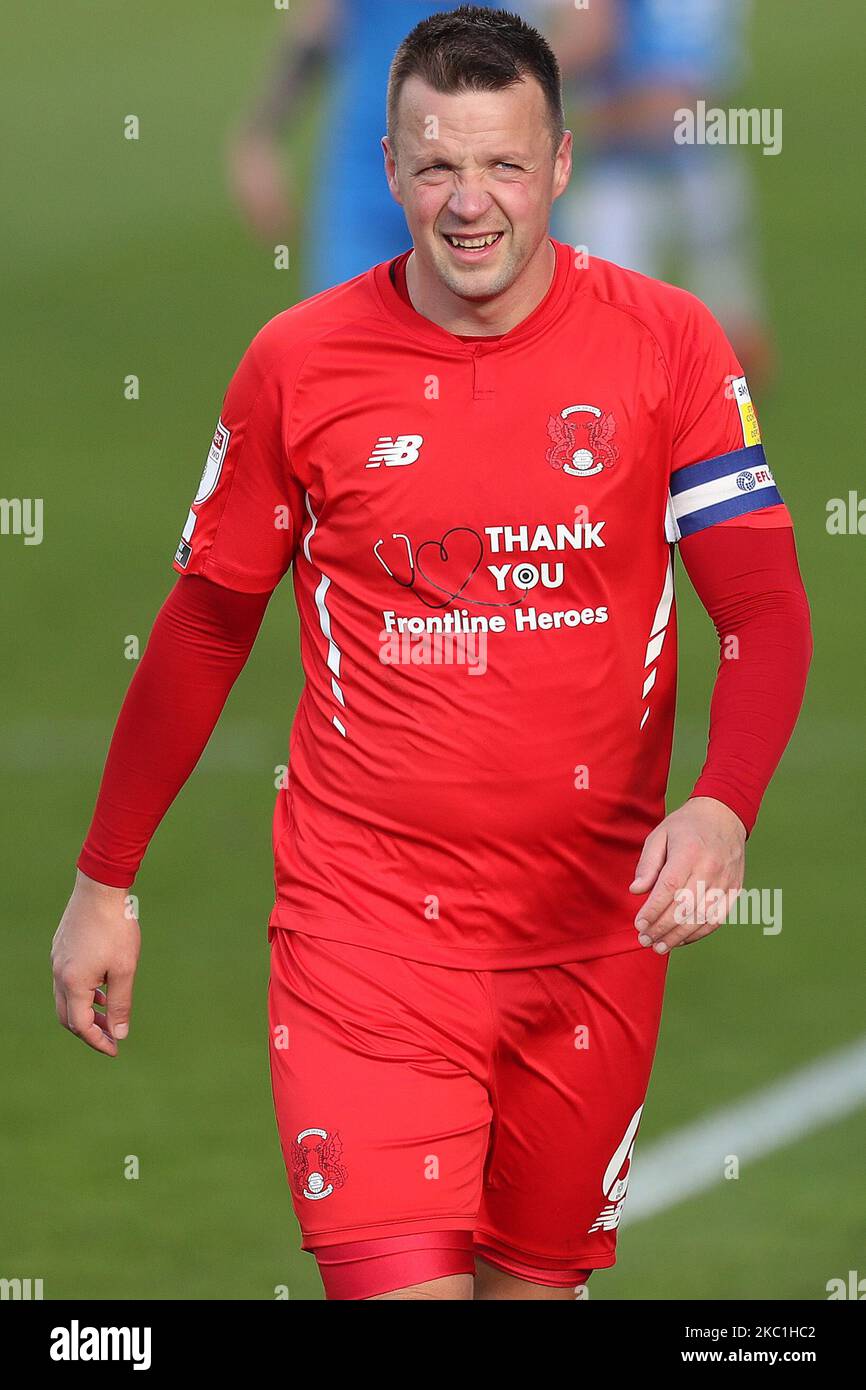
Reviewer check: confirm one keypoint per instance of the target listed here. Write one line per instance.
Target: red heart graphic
(449, 564)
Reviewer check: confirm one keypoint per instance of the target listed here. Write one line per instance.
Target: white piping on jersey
(657, 634)
(672, 530)
(334, 654)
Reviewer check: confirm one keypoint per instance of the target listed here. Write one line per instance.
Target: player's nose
(470, 201)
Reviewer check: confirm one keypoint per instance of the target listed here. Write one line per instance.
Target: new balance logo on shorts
(615, 1183)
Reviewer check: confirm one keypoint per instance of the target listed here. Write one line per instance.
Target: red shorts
(428, 1115)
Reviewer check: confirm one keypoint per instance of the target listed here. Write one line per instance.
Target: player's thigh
(451, 1288)
(382, 1112)
(575, 1053)
(493, 1284)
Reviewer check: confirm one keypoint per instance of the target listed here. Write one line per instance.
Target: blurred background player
(677, 212)
(352, 222)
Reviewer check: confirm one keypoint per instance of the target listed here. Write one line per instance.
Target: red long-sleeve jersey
(481, 536)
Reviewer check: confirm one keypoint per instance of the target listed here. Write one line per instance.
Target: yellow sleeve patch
(748, 417)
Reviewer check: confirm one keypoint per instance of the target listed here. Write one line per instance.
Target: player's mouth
(473, 248)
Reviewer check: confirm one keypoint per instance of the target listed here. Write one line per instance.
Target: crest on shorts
(317, 1168)
(582, 440)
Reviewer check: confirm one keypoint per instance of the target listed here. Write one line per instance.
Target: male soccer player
(477, 458)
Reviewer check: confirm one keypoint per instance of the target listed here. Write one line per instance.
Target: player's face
(477, 167)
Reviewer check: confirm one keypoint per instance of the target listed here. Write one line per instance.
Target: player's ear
(562, 164)
(391, 168)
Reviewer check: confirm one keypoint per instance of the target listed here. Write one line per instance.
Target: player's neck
(494, 316)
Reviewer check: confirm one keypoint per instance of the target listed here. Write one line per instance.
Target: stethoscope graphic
(450, 597)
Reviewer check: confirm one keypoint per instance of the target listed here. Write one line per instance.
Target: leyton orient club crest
(316, 1166)
(582, 440)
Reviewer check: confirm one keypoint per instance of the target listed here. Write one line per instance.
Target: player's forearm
(750, 584)
(200, 641)
(755, 703)
(299, 65)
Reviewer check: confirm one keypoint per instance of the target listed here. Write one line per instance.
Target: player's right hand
(94, 956)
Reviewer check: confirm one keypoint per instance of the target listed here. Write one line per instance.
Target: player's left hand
(691, 865)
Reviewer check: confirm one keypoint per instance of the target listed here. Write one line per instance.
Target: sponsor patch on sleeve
(748, 418)
(210, 477)
(213, 464)
(703, 494)
(184, 549)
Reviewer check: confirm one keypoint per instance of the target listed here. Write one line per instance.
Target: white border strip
(334, 657)
(657, 634)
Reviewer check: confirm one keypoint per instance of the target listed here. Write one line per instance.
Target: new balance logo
(395, 453)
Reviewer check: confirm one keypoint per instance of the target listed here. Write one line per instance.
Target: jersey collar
(426, 330)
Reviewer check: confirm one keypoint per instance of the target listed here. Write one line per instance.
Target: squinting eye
(504, 165)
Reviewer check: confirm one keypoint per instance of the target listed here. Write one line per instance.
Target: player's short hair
(476, 49)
